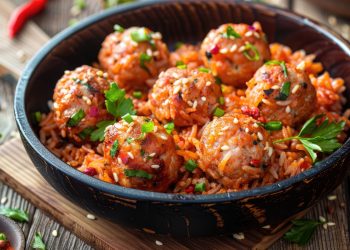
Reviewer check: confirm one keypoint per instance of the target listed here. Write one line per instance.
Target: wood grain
(18, 172)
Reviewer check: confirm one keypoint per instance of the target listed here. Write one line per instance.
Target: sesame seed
(331, 224)
(164, 137)
(3, 200)
(156, 53)
(166, 102)
(21, 55)
(288, 109)
(105, 75)
(325, 226)
(266, 227)
(224, 51)
(91, 217)
(225, 147)
(238, 236)
(190, 103)
(233, 48)
(152, 155)
(275, 87)
(204, 98)
(177, 82)
(266, 101)
(159, 243)
(155, 166)
(54, 233)
(87, 100)
(130, 155)
(235, 120)
(256, 34)
(116, 178)
(295, 89)
(249, 33)
(241, 49)
(260, 136)
(176, 89)
(270, 152)
(175, 75)
(246, 130)
(66, 71)
(119, 160)
(156, 35)
(322, 219)
(255, 125)
(332, 197)
(225, 128)
(195, 103)
(185, 80)
(99, 73)
(208, 83)
(301, 65)
(283, 103)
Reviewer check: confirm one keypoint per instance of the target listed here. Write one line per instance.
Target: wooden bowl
(177, 214)
(13, 232)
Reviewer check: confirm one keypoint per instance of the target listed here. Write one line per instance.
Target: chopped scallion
(76, 118)
(284, 92)
(137, 94)
(199, 187)
(169, 127)
(218, 112)
(137, 173)
(251, 52)
(147, 127)
(114, 148)
(190, 165)
(118, 28)
(230, 32)
(127, 117)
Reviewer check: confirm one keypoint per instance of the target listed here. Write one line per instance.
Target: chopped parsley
(99, 133)
(218, 112)
(76, 118)
(143, 59)
(118, 28)
(114, 148)
(281, 63)
(230, 32)
(137, 173)
(116, 103)
(191, 165)
(318, 138)
(181, 65)
(251, 52)
(271, 125)
(169, 127)
(284, 92)
(15, 214)
(205, 70)
(38, 242)
(137, 94)
(199, 187)
(127, 117)
(140, 35)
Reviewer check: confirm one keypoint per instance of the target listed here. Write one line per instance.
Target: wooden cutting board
(17, 171)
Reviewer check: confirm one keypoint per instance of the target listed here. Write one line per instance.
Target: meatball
(134, 57)
(235, 150)
(282, 93)
(235, 51)
(142, 155)
(79, 102)
(187, 54)
(184, 96)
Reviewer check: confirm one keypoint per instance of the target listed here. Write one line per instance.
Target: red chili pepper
(253, 111)
(215, 49)
(21, 14)
(90, 171)
(255, 163)
(190, 189)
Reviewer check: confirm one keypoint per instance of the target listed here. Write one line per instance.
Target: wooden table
(54, 19)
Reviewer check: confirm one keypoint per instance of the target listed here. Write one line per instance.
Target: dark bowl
(175, 214)
(13, 232)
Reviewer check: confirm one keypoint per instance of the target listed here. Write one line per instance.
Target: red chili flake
(253, 111)
(305, 165)
(215, 50)
(250, 27)
(190, 189)
(90, 171)
(93, 112)
(255, 163)
(124, 157)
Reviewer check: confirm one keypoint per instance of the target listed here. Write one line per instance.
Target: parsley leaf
(318, 138)
(116, 103)
(15, 214)
(38, 242)
(302, 231)
(99, 133)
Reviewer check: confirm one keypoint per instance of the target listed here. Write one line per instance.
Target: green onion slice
(169, 127)
(251, 52)
(127, 117)
(140, 35)
(272, 125)
(218, 112)
(230, 32)
(200, 187)
(284, 92)
(76, 118)
(137, 94)
(281, 63)
(205, 70)
(147, 127)
(114, 148)
(190, 165)
(118, 28)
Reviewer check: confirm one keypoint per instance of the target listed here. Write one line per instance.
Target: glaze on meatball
(151, 155)
(134, 57)
(235, 51)
(234, 150)
(187, 54)
(184, 96)
(79, 102)
(286, 96)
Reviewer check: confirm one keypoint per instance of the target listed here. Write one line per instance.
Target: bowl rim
(31, 138)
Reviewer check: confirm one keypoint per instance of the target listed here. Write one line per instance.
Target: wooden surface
(54, 19)
(18, 172)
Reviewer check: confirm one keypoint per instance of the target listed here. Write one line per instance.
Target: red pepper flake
(305, 165)
(190, 189)
(215, 50)
(124, 157)
(90, 171)
(253, 111)
(93, 112)
(255, 163)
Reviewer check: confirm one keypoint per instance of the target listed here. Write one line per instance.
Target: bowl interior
(186, 21)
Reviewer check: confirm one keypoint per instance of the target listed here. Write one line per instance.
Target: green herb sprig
(15, 214)
(318, 138)
(38, 242)
(116, 103)
(302, 231)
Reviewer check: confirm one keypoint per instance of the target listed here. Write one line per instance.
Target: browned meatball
(184, 96)
(283, 95)
(235, 51)
(187, 54)
(235, 150)
(134, 57)
(79, 102)
(139, 160)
